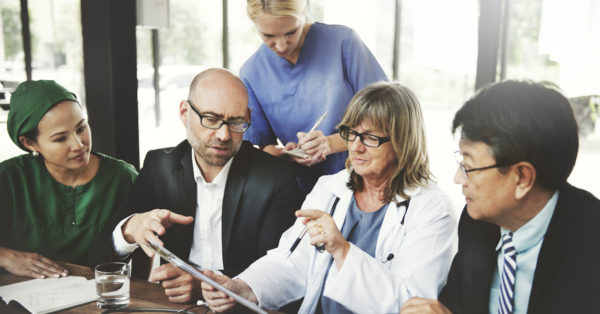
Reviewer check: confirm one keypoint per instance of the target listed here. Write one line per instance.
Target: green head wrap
(29, 103)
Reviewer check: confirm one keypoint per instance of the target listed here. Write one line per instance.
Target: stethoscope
(321, 248)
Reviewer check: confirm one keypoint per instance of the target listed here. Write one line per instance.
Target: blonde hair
(392, 109)
(295, 8)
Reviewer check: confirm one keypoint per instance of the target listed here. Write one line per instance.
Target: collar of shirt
(534, 230)
(219, 180)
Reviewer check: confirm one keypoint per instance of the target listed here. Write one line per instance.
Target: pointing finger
(309, 213)
(179, 219)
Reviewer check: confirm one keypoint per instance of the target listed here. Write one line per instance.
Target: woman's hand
(322, 229)
(217, 300)
(318, 146)
(307, 162)
(314, 144)
(30, 264)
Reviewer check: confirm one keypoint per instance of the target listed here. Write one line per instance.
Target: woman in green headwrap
(55, 200)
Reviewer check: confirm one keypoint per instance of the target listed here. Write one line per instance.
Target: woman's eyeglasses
(367, 139)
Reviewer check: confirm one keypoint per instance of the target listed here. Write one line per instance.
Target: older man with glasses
(214, 199)
(528, 240)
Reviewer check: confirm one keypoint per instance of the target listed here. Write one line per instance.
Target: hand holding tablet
(197, 272)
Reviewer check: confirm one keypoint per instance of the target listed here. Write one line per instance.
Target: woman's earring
(35, 154)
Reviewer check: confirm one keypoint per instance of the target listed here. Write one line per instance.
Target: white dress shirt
(207, 248)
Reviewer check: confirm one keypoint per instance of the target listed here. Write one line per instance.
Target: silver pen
(318, 121)
(298, 152)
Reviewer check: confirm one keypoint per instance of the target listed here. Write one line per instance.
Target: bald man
(214, 199)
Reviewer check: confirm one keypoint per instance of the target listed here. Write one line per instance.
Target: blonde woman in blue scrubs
(300, 72)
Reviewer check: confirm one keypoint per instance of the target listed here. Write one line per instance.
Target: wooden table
(142, 294)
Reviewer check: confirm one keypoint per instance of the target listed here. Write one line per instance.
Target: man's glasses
(367, 139)
(215, 123)
(459, 159)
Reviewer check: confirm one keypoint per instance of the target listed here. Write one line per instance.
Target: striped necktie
(507, 285)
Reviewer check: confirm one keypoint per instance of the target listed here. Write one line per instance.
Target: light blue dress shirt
(528, 241)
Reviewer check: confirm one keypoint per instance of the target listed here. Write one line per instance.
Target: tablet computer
(197, 272)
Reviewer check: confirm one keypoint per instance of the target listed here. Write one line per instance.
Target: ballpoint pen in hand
(299, 152)
(319, 246)
(318, 121)
(296, 242)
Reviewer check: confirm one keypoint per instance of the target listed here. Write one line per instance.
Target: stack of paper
(48, 295)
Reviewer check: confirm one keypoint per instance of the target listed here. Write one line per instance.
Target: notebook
(40, 296)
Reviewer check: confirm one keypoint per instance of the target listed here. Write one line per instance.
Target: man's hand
(427, 306)
(179, 286)
(30, 264)
(220, 302)
(145, 227)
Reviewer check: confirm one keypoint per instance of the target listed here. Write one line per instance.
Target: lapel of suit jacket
(467, 289)
(186, 184)
(480, 260)
(180, 197)
(555, 240)
(236, 180)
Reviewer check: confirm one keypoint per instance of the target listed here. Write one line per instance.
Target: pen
(298, 152)
(318, 121)
(296, 242)
(320, 247)
(313, 127)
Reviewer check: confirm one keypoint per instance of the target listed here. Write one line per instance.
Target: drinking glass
(112, 285)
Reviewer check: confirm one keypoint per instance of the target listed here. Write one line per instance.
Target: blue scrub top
(362, 229)
(285, 98)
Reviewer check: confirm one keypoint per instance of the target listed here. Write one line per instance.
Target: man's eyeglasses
(215, 123)
(367, 139)
(459, 159)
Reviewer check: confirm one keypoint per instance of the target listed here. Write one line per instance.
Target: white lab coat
(422, 253)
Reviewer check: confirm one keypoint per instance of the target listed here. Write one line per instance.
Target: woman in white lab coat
(387, 230)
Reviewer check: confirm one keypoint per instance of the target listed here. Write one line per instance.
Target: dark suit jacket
(566, 278)
(260, 198)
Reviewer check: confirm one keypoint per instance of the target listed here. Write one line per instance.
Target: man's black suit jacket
(566, 279)
(260, 198)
